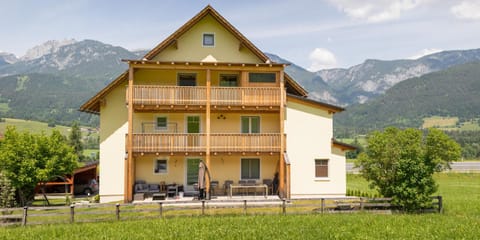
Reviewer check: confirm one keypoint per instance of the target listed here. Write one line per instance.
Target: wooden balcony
(168, 142)
(262, 142)
(154, 97)
(146, 143)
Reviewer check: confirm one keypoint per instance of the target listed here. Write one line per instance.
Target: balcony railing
(262, 142)
(169, 95)
(220, 142)
(154, 95)
(245, 96)
(166, 142)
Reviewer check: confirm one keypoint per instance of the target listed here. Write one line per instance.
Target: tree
(75, 140)
(7, 193)
(354, 153)
(400, 164)
(27, 159)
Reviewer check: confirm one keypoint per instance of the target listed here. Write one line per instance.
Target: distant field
(439, 122)
(4, 107)
(32, 126)
(470, 126)
(362, 139)
(450, 123)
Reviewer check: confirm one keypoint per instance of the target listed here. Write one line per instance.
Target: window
(250, 168)
(161, 123)
(193, 124)
(187, 79)
(208, 39)
(262, 77)
(228, 80)
(250, 124)
(321, 168)
(160, 166)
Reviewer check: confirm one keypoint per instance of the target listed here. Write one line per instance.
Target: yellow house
(206, 93)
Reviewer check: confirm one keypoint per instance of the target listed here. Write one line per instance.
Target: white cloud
(424, 52)
(467, 10)
(376, 10)
(321, 58)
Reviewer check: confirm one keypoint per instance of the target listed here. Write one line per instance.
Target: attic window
(208, 39)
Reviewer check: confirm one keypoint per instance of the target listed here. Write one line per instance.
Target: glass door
(191, 173)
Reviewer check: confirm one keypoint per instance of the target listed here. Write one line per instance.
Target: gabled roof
(188, 25)
(93, 104)
(342, 146)
(303, 100)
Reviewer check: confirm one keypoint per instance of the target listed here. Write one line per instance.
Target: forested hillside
(46, 97)
(452, 92)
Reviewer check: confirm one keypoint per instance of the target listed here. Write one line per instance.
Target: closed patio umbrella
(201, 180)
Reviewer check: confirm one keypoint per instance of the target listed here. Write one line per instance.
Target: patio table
(247, 187)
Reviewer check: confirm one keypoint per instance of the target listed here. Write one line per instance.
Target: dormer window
(208, 39)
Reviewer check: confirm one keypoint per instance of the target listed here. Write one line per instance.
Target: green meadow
(460, 220)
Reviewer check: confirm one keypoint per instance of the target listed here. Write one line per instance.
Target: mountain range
(53, 79)
(372, 78)
(452, 92)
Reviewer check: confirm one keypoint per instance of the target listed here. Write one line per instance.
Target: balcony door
(191, 173)
(250, 124)
(193, 128)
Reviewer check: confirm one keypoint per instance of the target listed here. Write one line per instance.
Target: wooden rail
(167, 208)
(169, 142)
(261, 142)
(168, 95)
(246, 96)
(153, 95)
(184, 142)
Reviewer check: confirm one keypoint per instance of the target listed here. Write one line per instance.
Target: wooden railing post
(25, 213)
(440, 204)
(117, 211)
(245, 207)
(361, 203)
(203, 207)
(72, 213)
(161, 209)
(323, 205)
(284, 207)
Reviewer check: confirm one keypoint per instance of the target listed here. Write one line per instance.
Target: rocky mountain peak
(8, 58)
(47, 47)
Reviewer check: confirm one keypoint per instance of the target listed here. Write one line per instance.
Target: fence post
(161, 209)
(361, 203)
(284, 210)
(245, 207)
(440, 204)
(24, 219)
(203, 207)
(323, 205)
(117, 211)
(72, 213)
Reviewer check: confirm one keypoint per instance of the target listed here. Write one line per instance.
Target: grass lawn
(32, 126)
(461, 220)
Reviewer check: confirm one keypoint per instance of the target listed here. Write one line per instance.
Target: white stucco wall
(113, 129)
(112, 166)
(309, 133)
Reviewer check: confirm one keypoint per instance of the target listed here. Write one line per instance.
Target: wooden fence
(164, 209)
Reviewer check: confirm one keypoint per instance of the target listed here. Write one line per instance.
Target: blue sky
(314, 34)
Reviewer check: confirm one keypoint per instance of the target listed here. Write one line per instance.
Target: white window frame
(250, 124)
(155, 166)
(157, 128)
(208, 34)
(328, 168)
